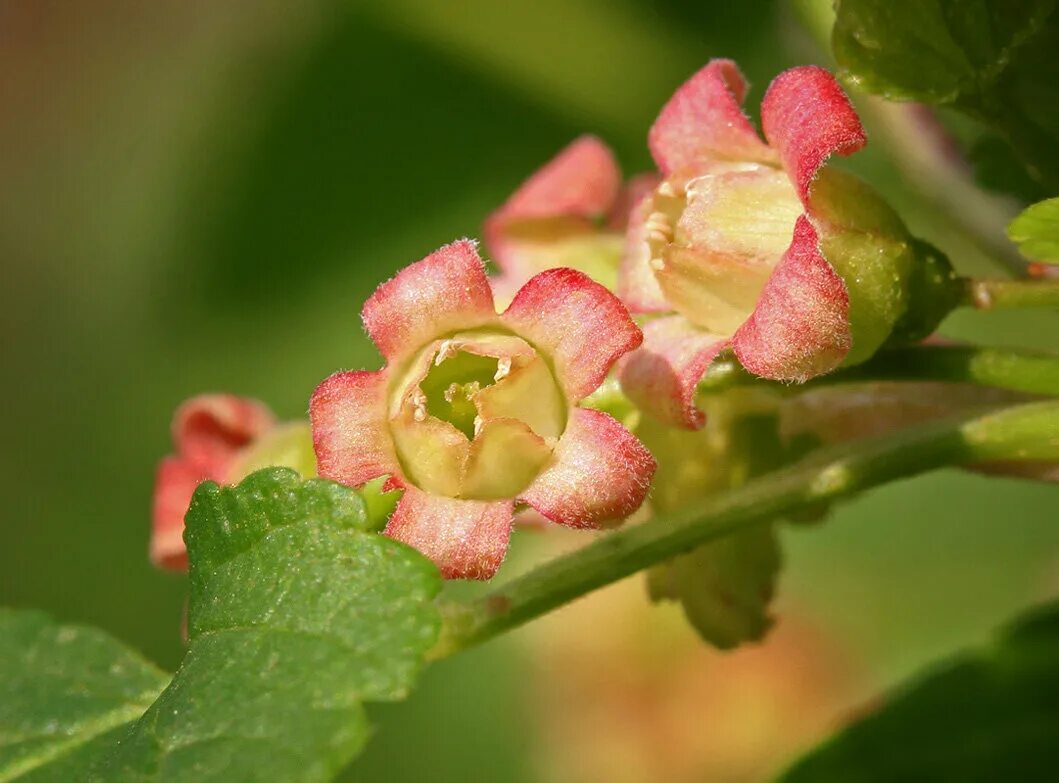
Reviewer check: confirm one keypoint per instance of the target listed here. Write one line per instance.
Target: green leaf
(1036, 231)
(66, 692)
(986, 716)
(298, 614)
(991, 59)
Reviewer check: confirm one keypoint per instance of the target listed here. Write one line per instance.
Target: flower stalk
(1027, 432)
(1019, 370)
(1010, 294)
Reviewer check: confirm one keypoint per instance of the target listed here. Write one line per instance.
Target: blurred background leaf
(985, 716)
(198, 196)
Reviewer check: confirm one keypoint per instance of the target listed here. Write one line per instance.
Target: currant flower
(475, 411)
(572, 212)
(759, 247)
(222, 438)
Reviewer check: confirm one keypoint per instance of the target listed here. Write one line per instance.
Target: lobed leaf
(299, 613)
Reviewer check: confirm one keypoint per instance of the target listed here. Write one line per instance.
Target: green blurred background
(197, 196)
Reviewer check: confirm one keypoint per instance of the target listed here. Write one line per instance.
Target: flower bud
(222, 438)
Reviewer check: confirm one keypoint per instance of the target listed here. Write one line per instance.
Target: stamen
(419, 405)
(503, 368)
(445, 351)
(659, 228)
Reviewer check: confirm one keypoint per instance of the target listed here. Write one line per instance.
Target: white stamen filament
(503, 368)
(419, 405)
(445, 351)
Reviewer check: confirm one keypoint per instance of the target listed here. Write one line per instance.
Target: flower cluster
(736, 243)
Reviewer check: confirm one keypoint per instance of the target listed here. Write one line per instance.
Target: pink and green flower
(477, 412)
(756, 245)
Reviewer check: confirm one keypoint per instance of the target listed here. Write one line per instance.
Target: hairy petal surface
(800, 327)
(466, 539)
(600, 473)
(704, 121)
(446, 291)
(662, 375)
(350, 435)
(807, 118)
(577, 323)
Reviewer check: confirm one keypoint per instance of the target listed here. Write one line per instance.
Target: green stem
(1023, 432)
(1031, 372)
(1005, 294)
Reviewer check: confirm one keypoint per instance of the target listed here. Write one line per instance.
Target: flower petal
(350, 436)
(505, 456)
(175, 483)
(209, 429)
(583, 180)
(577, 323)
(635, 191)
(446, 291)
(714, 291)
(576, 243)
(662, 375)
(432, 452)
(800, 327)
(601, 472)
(637, 285)
(466, 539)
(807, 117)
(528, 394)
(703, 121)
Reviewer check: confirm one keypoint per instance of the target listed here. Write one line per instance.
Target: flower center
(476, 416)
(715, 239)
(451, 389)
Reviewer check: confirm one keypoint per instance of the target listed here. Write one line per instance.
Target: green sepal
(899, 287)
